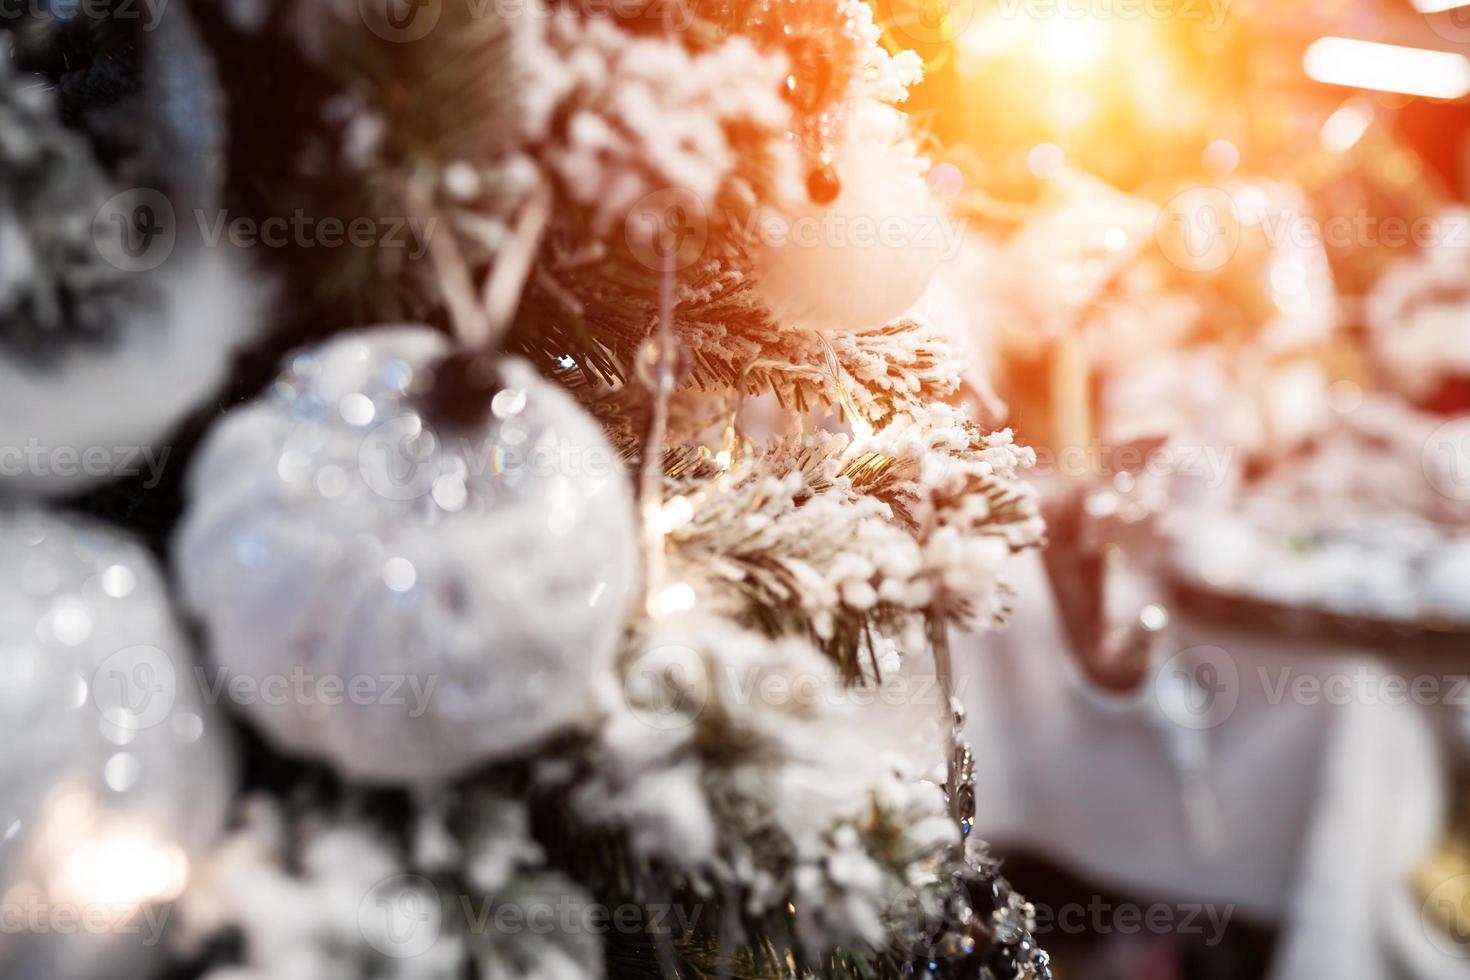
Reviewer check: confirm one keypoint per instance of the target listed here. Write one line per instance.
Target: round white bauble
(115, 775)
(120, 320)
(1445, 574)
(434, 595)
(866, 258)
(103, 412)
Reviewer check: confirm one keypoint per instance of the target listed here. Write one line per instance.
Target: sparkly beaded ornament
(116, 773)
(430, 555)
(866, 215)
(115, 322)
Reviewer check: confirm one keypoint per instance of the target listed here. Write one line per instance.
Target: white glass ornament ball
(421, 596)
(864, 259)
(115, 771)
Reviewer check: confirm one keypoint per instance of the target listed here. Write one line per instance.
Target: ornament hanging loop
(481, 321)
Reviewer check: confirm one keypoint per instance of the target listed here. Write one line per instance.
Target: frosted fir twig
(845, 541)
(746, 767)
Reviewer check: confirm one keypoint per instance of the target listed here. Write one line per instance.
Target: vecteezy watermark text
(669, 686)
(1099, 917)
(138, 230)
(302, 687)
(150, 12)
(1200, 687)
(670, 227)
(1364, 685)
(1212, 12)
(302, 230)
(137, 688)
(406, 21)
(29, 912)
(38, 459)
(404, 916)
(1209, 464)
(1200, 229)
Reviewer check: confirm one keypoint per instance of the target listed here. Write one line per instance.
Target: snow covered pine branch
(647, 481)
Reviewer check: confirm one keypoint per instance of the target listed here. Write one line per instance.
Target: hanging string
(959, 763)
(658, 355)
(467, 318)
(516, 259)
(480, 322)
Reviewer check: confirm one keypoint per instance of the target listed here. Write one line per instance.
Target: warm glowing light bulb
(677, 598)
(674, 514)
(123, 868)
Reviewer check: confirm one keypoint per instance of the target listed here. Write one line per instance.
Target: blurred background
(1217, 265)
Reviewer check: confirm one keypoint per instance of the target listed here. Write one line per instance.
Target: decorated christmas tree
(487, 495)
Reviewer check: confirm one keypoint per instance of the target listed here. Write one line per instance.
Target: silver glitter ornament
(117, 317)
(426, 590)
(115, 774)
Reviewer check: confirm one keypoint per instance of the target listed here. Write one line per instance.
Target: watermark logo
(925, 22)
(1453, 25)
(399, 458)
(135, 688)
(1198, 688)
(1445, 917)
(401, 917)
(667, 229)
(1199, 229)
(136, 230)
(667, 687)
(1446, 459)
(401, 21)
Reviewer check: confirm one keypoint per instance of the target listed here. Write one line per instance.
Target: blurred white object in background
(1419, 311)
(90, 421)
(1324, 803)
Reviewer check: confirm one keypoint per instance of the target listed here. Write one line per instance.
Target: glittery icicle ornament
(821, 46)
